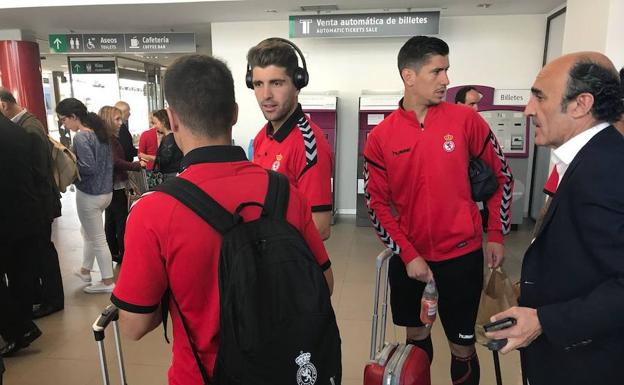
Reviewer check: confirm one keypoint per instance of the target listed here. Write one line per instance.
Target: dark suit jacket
(45, 172)
(573, 273)
(21, 214)
(125, 138)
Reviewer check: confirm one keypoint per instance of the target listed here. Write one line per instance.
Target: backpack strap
(200, 365)
(201, 203)
(276, 200)
(487, 140)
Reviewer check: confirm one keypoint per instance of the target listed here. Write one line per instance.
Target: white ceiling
(197, 16)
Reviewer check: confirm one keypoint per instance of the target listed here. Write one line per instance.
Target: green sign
(92, 67)
(58, 43)
(65, 43)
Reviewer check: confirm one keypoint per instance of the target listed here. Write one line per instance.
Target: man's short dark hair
(460, 96)
(273, 52)
(200, 89)
(587, 76)
(417, 51)
(6, 96)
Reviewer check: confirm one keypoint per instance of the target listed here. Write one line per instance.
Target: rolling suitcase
(110, 314)
(393, 363)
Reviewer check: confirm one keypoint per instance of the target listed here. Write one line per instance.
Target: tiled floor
(66, 353)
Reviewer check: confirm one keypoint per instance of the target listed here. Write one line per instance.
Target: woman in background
(91, 145)
(148, 144)
(168, 156)
(117, 212)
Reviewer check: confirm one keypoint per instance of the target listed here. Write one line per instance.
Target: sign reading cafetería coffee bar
(365, 24)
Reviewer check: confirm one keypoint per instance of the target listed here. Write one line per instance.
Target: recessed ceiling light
(270, 10)
(484, 5)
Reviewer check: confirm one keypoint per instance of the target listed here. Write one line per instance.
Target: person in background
(168, 156)
(94, 189)
(468, 96)
(148, 145)
(125, 138)
(21, 224)
(117, 212)
(49, 296)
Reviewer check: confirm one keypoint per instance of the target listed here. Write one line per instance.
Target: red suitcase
(394, 364)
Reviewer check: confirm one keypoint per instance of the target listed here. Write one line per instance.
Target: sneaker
(83, 277)
(99, 287)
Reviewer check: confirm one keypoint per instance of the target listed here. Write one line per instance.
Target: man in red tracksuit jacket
(416, 162)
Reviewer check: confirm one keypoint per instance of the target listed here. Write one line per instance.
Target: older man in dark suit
(21, 221)
(125, 138)
(571, 314)
(49, 296)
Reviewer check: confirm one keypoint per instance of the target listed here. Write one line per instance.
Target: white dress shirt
(565, 154)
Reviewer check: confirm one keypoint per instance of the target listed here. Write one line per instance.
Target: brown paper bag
(498, 295)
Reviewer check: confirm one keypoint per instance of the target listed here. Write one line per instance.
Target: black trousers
(48, 281)
(115, 222)
(18, 262)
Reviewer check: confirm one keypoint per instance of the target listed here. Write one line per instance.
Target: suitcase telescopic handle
(379, 262)
(111, 313)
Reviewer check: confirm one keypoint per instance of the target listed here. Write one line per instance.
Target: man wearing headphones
(290, 142)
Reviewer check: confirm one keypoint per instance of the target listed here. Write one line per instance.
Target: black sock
(465, 371)
(425, 345)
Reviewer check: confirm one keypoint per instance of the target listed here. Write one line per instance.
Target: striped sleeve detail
(309, 141)
(381, 231)
(507, 197)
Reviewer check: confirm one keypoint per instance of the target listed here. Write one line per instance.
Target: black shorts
(459, 281)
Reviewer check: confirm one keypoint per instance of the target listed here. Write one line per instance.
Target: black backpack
(277, 324)
(483, 182)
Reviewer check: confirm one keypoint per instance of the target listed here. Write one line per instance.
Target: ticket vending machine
(515, 135)
(373, 109)
(321, 109)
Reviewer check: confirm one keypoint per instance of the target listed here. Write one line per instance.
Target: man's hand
(418, 269)
(494, 254)
(526, 330)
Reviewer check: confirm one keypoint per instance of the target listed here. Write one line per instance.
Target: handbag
(498, 295)
(154, 178)
(483, 182)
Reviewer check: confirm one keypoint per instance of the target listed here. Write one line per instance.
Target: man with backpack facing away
(48, 282)
(171, 249)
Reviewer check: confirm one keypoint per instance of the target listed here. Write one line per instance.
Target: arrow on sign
(57, 43)
(77, 67)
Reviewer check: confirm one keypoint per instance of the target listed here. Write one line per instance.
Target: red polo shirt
(300, 151)
(167, 245)
(148, 144)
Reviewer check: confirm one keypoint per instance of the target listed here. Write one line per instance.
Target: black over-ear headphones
(300, 77)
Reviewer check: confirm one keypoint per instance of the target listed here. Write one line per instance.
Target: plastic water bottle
(429, 304)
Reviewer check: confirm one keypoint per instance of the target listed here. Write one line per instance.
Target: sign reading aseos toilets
(165, 42)
(365, 24)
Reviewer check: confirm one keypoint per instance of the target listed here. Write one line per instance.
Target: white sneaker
(83, 277)
(99, 287)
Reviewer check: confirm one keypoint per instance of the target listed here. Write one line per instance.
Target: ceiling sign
(365, 24)
(92, 67)
(165, 42)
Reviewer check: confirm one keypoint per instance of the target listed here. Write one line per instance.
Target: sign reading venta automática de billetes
(365, 24)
